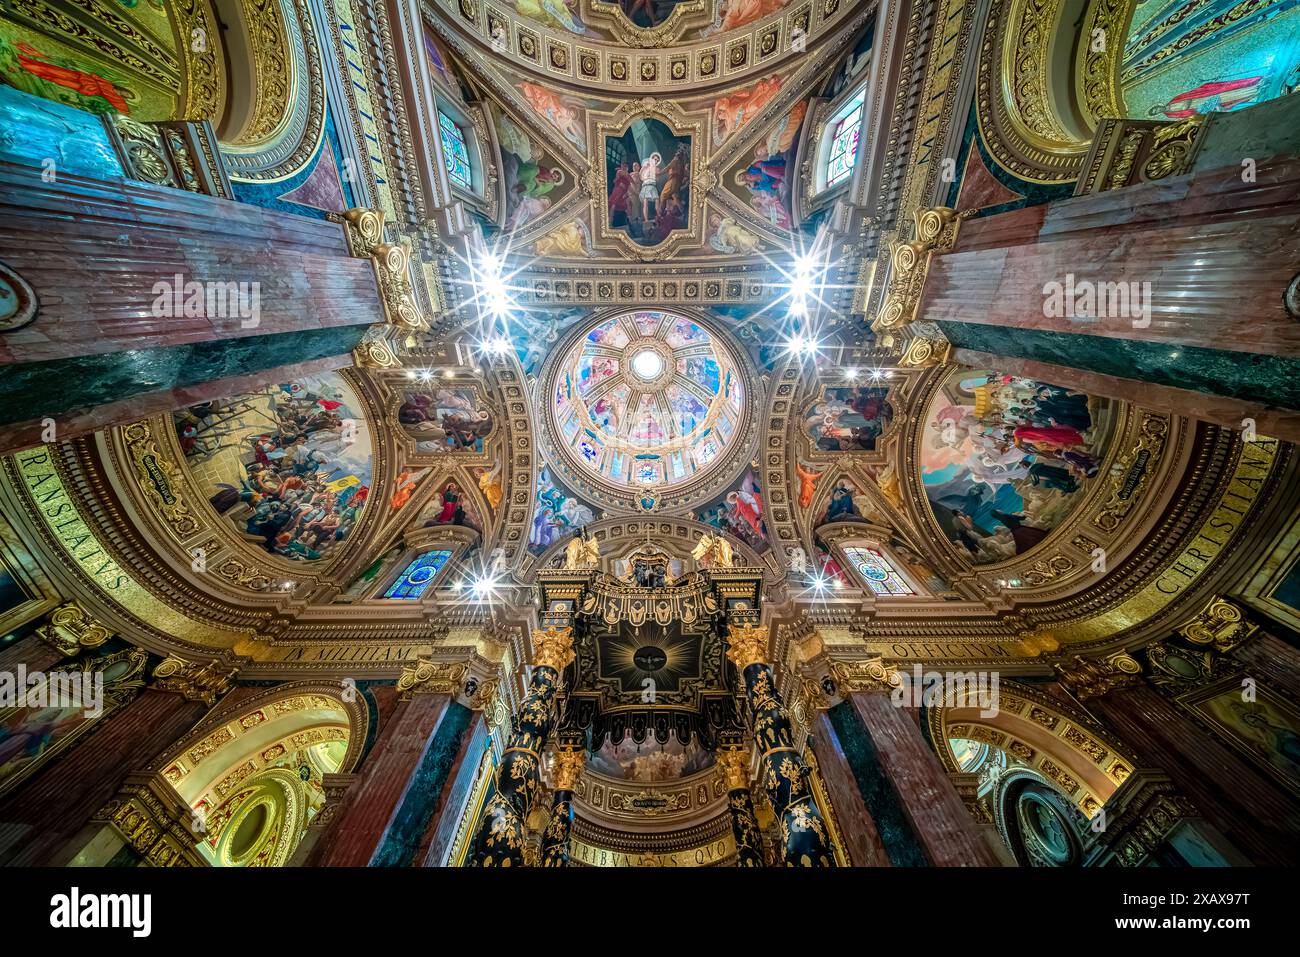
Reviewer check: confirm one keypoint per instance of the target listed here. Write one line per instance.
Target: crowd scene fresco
(1005, 459)
(291, 465)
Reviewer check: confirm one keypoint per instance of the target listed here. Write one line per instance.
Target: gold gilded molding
(552, 648)
(936, 231)
(1091, 678)
(1217, 530)
(153, 820)
(734, 765)
(870, 674)
(39, 480)
(431, 677)
(747, 645)
(70, 628)
(1221, 624)
(195, 681)
(714, 852)
(364, 231)
(567, 768)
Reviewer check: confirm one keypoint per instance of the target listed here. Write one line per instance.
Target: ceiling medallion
(647, 408)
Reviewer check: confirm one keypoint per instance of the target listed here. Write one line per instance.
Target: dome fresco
(647, 398)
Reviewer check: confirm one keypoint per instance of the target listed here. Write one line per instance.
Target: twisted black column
(559, 830)
(499, 841)
(744, 823)
(803, 831)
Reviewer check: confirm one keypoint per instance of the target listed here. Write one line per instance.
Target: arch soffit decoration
(741, 55)
(1042, 87)
(240, 731)
(278, 125)
(1080, 759)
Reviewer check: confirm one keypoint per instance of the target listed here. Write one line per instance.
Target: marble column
(336, 788)
(557, 837)
(1189, 271)
(1250, 810)
(861, 838)
(384, 815)
(501, 837)
(734, 763)
(122, 346)
(804, 834)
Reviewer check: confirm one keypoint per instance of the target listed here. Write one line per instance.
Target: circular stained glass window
(647, 399)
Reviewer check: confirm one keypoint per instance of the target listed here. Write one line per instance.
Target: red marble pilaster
(361, 822)
(1271, 660)
(1248, 809)
(31, 651)
(940, 819)
(39, 818)
(856, 826)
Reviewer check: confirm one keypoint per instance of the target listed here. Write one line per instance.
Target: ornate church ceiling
(658, 285)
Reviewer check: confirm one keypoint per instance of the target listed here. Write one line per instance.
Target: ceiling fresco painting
(1005, 459)
(289, 466)
(648, 398)
(666, 387)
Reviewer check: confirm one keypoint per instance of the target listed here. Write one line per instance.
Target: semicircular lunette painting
(1005, 459)
(291, 466)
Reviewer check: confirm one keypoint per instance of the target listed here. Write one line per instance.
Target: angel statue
(713, 551)
(581, 551)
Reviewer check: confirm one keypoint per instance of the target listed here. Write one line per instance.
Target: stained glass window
(418, 575)
(455, 151)
(844, 145)
(875, 569)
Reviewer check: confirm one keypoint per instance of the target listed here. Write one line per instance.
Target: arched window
(455, 151)
(877, 571)
(418, 575)
(845, 131)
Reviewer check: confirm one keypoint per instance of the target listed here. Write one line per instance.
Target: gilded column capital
(552, 647)
(1090, 678)
(431, 677)
(153, 820)
(195, 681)
(70, 628)
(867, 674)
(1221, 624)
(747, 645)
(734, 764)
(567, 768)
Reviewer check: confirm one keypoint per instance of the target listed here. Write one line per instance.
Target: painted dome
(647, 399)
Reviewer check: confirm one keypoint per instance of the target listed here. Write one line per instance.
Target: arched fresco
(289, 466)
(1003, 459)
